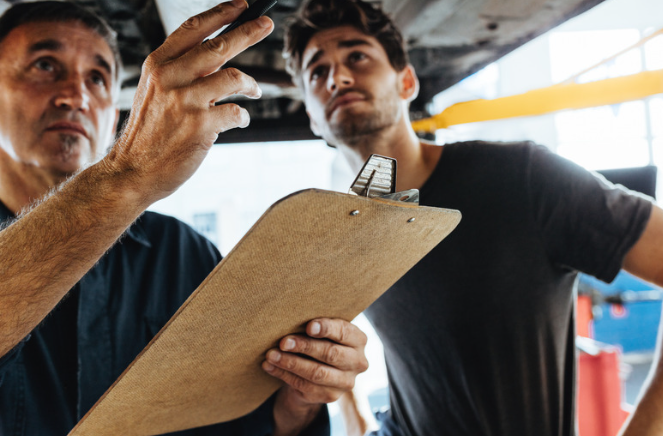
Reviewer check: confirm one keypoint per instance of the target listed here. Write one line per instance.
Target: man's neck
(22, 184)
(416, 159)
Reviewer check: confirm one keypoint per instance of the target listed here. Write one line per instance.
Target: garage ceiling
(448, 40)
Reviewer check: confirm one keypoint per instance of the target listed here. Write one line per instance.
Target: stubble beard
(70, 153)
(68, 143)
(355, 129)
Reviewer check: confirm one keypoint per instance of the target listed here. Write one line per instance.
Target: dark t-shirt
(479, 335)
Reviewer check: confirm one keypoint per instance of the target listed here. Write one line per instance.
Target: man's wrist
(291, 415)
(118, 182)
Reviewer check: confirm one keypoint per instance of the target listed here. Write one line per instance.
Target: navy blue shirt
(57, 373)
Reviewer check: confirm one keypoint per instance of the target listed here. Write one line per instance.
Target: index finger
(337, 330)
(208, 57)
(195, 29)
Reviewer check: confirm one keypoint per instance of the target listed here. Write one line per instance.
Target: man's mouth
(68, 127)
(344, 100)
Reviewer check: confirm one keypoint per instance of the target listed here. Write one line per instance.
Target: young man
(59, 85)
(479, 336)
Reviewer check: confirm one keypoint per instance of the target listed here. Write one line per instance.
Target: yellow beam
(545, 100)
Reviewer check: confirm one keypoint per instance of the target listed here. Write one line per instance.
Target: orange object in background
(600, 410)
(584, 316)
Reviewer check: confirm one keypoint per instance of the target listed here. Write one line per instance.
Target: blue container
(634, 325)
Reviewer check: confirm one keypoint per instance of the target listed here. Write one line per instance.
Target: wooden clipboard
(312, 254)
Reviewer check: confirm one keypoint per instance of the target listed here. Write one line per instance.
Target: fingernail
(267, 366)
(246, 118)
(274, 356)
(315, 328)
(289, 344)
(239, 3)
(264, 22)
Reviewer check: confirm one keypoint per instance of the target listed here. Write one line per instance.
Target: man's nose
(340, 77)
(72, 94)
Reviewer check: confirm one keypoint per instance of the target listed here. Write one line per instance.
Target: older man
(58, 90)
(479, 336)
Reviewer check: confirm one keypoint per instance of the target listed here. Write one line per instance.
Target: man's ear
(314, 126)
(408, 83)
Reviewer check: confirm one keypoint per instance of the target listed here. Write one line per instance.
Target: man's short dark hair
(317, 15)
(59, 12)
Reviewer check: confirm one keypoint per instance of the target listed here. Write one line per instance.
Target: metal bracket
(377, 179)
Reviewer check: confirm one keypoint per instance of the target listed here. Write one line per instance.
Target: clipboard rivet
(354, 213)
(410, 220)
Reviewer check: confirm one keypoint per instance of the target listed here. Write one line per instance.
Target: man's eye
(98, 79)
(356, 56)
(317, 73)
(45, 65)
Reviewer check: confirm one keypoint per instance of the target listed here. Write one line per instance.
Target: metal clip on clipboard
(377, 178)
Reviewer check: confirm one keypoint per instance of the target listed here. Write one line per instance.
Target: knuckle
(151, 65)
(234, 75)
(303, 346)
(215, 45)
(319, 375)
(300, 384)
(235, 109)
(192, 23)
(332, 355)
(246, 30)
(154, 70)
(231, 117)
(240, 81)
(344, 333)
(235, 112)
(289, 364)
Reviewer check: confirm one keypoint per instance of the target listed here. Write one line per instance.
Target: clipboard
(312, 254)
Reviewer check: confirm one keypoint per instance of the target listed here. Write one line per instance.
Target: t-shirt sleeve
(586, 222)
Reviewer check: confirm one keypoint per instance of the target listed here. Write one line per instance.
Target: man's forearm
(45, 252)
(646, 420)
(644, 261)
